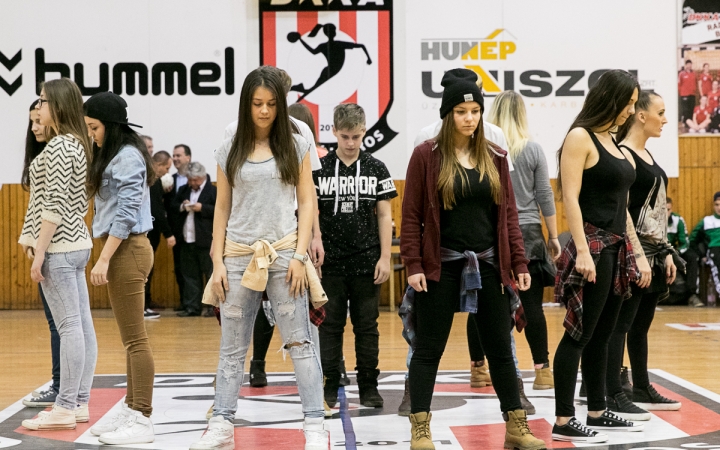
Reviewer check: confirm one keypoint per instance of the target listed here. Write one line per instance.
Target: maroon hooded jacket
(420, 229)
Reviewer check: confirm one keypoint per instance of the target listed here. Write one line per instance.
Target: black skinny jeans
(434, 312)
(636, 316)
(362, 294)
(600, 312)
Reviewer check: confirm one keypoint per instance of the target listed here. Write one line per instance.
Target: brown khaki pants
(127, 272)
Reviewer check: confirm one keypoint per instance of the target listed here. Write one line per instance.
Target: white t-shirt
(305, 132)
(493, 133)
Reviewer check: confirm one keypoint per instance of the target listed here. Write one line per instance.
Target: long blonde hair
(480, 154)
(508, 112)
(66, 109)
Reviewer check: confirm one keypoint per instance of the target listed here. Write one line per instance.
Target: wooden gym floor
(190, 345)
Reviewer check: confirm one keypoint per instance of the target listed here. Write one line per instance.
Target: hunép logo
(471, 53)
(9, 64)
(129, 78)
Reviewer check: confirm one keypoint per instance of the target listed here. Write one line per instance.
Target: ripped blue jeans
(291, 317)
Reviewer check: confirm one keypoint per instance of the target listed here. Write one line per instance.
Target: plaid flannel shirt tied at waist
(470, 283)
(569, 283)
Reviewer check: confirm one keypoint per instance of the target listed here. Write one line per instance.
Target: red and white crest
(337, 53)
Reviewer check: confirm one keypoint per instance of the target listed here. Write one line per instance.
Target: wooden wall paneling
(5, 272)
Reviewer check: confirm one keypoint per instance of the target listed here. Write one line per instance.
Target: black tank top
(604, 193)
(648, 199)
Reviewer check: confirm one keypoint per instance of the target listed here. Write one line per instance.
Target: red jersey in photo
(705, 83)
(686, 83)
(701, 113)
(713, 100)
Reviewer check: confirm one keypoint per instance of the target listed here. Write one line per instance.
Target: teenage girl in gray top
(531, 184)
(257, 180)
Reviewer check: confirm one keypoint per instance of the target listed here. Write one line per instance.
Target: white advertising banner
(550, 51)
(178, 64)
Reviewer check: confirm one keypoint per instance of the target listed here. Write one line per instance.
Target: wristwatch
(301, 258)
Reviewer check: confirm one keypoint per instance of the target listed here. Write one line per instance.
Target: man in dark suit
(195, 205)
(181, 157)
(161, 164)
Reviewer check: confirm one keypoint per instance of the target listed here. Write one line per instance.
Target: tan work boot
(421, 437)
(479, 375)
(517, 432)
(326, 408)
(543, 379)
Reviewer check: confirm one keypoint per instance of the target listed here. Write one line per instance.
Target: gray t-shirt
(531, 185)
(263, 206)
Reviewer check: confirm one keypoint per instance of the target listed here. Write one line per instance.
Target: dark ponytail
(643, 104)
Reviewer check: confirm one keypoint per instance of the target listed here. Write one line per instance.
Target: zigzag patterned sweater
(58, 194)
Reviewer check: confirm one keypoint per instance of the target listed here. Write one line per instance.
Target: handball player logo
(334, 54)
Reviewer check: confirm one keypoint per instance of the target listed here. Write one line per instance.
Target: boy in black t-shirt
(354, 191)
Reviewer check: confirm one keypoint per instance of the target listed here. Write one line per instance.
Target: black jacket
(157, 209)
(173, 216)
(203, 219)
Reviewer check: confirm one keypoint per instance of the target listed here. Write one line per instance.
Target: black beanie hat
(716, 196)
(108, 107)
(460, 86)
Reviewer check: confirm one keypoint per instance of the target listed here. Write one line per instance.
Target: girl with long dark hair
(119, 178)
(598, 264)
(55, 236)
(533, 193)
(647, 206)
(461, 243)
(261, 245)
(34, 144)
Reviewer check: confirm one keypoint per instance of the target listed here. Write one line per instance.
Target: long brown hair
(603, 104)
(66, 110)
(281, 140)
(480, 154)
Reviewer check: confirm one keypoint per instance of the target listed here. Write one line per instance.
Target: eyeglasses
(40, 102)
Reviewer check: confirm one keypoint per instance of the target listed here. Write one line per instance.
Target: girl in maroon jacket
(460, 238)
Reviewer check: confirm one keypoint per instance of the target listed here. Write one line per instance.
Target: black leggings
(536, 329)
(475, 347)
(600, 312)
(434, 311)
(636, 316)
(262, 335)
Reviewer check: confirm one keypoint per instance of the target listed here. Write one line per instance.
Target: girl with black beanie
(459, 215)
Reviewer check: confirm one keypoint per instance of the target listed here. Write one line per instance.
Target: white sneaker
(316, 436)
(220, 435)
(137, 429)
(82, 414)
(117, 420)
(58, 418)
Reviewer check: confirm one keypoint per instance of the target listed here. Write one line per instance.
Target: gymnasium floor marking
(695, 326)
(270, 418)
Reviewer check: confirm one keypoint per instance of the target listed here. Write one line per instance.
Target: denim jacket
(122, 204)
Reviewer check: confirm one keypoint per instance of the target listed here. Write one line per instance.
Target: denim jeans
(238, 313)
(54, 343)
(66, 293)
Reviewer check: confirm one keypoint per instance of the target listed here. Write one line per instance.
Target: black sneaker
(370, 397)
(611, 421)
(43, 401)
(344, 380)
(150, 314)
(258, 377)
(330, 392)
(623, 407)
(651, 400)
(574, 431)
(625, 381)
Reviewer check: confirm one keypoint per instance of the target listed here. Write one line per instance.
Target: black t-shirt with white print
(347, 196)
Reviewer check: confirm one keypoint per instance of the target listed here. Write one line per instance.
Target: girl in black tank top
(648, 211)
(604, 194)
(596, 196)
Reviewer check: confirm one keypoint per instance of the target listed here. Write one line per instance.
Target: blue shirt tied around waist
(470, 283)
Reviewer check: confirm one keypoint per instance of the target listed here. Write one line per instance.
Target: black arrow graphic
(10, 88)
(10, 63)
